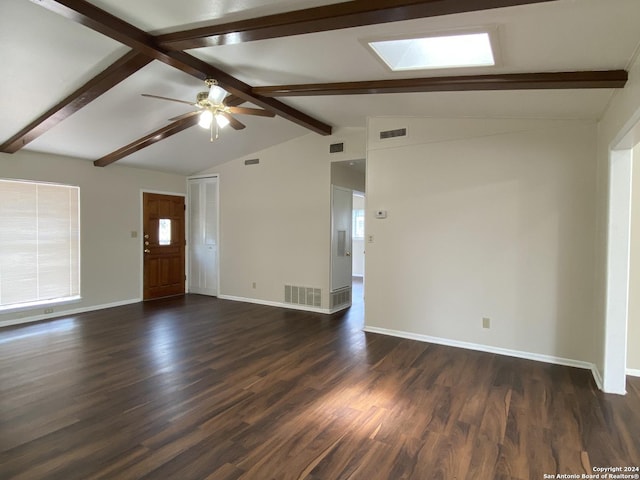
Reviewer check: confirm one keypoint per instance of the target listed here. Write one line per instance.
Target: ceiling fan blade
(233, 101)
(167, 98)
(235, 124)
(251, 111)
(184, 115)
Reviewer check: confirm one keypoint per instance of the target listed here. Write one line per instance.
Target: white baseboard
(490, 349)
(269, 303)
(64, 313)
(633, 372)
(597, 376)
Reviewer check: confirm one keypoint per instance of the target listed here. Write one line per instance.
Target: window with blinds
(39, 243)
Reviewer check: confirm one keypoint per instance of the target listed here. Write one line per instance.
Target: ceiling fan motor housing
(202, 98)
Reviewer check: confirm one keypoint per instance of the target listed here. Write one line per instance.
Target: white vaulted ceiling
(45, 57)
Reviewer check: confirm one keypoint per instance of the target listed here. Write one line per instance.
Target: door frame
(187, 226)
(141, 235)
(618, 256)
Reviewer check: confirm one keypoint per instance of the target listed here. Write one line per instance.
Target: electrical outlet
(48, 310)
(370, 238)
(254, 285)
(486, 322)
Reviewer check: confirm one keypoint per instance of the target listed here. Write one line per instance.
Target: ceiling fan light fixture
(206, 117)
(216, 94)
(222, 121)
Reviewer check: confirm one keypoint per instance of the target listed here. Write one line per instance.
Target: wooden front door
(164, 245)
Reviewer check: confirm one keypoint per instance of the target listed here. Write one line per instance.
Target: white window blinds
(39, 243)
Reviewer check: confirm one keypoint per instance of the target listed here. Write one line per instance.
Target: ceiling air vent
(336, 148)
(253, 161)
(398, 132)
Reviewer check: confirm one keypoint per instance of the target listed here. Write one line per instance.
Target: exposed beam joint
(101, 21)
(111, 76)
(356, 13)
(147, 140)
(514, 81)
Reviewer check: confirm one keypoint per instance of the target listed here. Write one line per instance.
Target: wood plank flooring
(200, 388)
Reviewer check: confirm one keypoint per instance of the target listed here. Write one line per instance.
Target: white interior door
(341, 213)
(203, 236)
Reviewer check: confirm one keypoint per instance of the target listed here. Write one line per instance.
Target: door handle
(348, 254)
(146, 250)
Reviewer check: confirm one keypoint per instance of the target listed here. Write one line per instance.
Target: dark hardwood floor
(199, 388)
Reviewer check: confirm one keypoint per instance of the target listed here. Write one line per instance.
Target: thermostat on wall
(381, 214)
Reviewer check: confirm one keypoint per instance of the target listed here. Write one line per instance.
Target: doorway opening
(358, 248)
(347, 232)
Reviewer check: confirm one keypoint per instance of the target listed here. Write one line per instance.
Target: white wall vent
(309, 296)
(398, 132)
(341, 298)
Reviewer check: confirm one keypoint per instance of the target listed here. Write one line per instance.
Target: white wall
(275, 217)
(486, 218)
(110, 209)
(633, 332)
(623, 110)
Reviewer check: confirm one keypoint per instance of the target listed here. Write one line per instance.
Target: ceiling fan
(210, 106)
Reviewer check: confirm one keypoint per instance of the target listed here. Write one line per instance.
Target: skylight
(451, 51)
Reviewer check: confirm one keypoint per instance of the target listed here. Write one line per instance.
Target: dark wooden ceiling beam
(107, 79)
(147, 140)
(513, 81)
(356, 13)
(101, 21)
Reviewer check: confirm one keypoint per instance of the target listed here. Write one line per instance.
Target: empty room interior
(318, 239)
